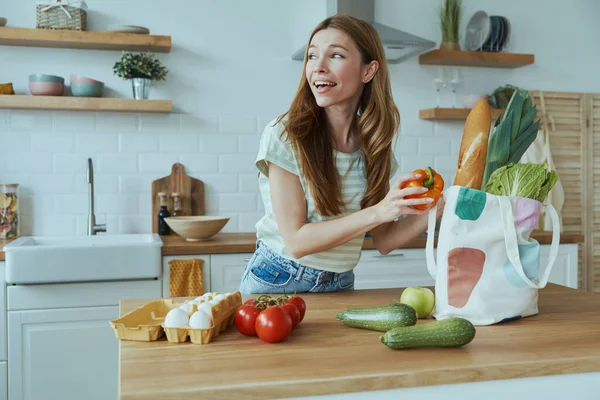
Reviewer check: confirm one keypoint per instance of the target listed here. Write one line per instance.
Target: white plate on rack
(478, 30)
(128, 29)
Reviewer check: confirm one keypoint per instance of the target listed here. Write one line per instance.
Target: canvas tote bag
(488, 268)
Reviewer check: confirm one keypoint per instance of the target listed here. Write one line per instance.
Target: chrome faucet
(92, 227)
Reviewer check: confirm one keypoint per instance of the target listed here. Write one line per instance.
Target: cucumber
(379, 318)
(452, 332)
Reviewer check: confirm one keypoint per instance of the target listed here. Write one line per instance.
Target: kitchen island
(324, 357)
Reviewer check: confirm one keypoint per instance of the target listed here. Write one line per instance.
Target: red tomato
(294, 312)
(273, 324)
(300, 303)
(245, 319)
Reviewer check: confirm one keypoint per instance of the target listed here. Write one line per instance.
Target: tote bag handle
(512, 248)
(431, 267)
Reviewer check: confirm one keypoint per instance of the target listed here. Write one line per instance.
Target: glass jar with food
(9, 211)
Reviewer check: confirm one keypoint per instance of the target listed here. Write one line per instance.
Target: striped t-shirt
(277, 150)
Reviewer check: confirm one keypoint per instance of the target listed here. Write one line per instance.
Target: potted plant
(450, 12)
(141, 69)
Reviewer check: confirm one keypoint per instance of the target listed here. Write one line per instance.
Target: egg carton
(145, 323)
(222, 316)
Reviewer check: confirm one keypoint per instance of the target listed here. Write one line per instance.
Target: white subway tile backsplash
(29, 163)
(199, 124)
(57, 142)
(71, 163)
(410, 163)
(103, 183)
(233, 223)
(145, 205)
(117, 163)
(406, 145)
(121, 204)
(237, 202)
(178, 143)
(239, 163)
(219, 183)
(134, 224)
(70, 204)
(434, 145)
(249, 182)
(117, 122)
(29, 120)
(236, 124)
(157, 162)
(161, 123)
(445, 163)
(53, 184)
(3, 121)
(218, 144)
(16, 141)
(138, 183)
(249, 144)
(79, 122)
(199, 163)
(97, 143)
(248, 221)
(136, 143)
(54, 225)
(39, 205)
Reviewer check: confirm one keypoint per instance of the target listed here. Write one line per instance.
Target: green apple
(419, 298)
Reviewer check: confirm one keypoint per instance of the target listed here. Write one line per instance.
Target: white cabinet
(399, 268)
(3, 351)
(206, 272)
(63, 354)
(3, 380)
(60, 342)
(564, 271)
(227, 271)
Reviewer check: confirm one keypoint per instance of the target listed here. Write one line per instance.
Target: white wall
(230, 73)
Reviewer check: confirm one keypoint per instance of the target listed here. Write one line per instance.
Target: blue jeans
(267, 272)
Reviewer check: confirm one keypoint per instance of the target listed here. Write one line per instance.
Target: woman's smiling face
(334, 68)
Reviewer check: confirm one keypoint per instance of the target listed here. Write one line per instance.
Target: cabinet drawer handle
(389, 255)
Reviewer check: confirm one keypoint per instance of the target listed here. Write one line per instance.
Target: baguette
(473, 147)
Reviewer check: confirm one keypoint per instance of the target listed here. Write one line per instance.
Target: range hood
(399, 45)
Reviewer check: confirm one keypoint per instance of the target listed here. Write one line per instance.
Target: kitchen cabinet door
(67, 354)
(399, 268)
(227, 270)
(3, 381)
(166, 281)
(3, 351)
(564, 271)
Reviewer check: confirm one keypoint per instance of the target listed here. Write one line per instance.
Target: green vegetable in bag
(529, 180)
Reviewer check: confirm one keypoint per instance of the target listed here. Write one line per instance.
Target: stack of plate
(487, 33)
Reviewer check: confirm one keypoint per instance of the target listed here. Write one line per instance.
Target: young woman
(325, 167)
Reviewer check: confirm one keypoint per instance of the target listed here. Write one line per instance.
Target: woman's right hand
(395, 205)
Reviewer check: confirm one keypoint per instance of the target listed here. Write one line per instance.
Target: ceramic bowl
(3, 21)
(86, 90)
(46, 88)
(470, 100)
(195, 228)
(84, 79)
(46, 78)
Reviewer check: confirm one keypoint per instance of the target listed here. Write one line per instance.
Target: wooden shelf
(476, 59)
(67, 103)
(453, 113)
(68, 39)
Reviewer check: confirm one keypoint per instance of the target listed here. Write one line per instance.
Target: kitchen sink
(41, 259)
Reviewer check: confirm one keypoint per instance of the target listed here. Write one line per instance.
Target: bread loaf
(473, 147)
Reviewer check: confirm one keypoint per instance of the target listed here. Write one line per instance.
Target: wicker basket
(57, 18)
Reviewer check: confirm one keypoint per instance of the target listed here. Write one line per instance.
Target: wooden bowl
(195, 228)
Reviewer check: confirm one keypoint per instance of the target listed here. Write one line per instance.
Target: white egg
(220, 297)
(200, 320)
(176, 318)
(187, 307)
(206, 308)
(199, 298)
(213, 302)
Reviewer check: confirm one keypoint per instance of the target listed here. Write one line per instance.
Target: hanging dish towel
(539, 152)
(186, 278)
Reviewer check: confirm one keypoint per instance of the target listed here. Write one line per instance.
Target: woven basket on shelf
(57, 18)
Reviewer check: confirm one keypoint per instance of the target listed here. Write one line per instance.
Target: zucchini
(452, 332)
(379, 318)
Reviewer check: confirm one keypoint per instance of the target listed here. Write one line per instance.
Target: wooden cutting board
(191, 189)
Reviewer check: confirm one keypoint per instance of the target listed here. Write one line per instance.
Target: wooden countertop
(246, 242)
(323, 356)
